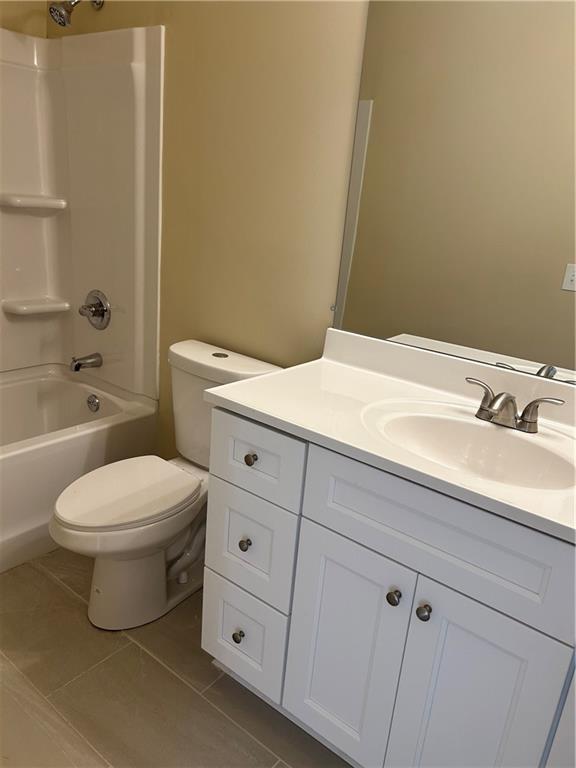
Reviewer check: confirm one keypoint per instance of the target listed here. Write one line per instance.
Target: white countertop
(326, 401)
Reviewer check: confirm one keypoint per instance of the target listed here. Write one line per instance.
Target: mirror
(460, 225)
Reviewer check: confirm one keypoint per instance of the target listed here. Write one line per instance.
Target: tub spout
(88, 361)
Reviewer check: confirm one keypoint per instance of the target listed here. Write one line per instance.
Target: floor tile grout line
(52, 576)
(203, 691)
(196, 691)
(126, 634)
(57, 711)
(89, 669)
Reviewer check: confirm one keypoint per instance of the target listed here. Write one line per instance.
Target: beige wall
(260, 102)
(26, 16)
(467, 217)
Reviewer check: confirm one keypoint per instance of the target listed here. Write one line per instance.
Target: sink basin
(450, 436)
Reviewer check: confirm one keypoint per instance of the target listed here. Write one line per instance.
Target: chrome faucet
(88, 361)
(501, 409)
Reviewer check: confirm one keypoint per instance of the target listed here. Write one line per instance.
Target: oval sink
(463, 443)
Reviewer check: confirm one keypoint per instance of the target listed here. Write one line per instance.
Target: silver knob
(91, 310)
(97, 309)
(250, 459)
(245, 544)
(393, 597)
(423, 612)
(238, 636)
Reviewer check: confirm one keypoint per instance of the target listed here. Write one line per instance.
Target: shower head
(61, 13)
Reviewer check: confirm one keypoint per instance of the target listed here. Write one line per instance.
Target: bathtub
(49, 437)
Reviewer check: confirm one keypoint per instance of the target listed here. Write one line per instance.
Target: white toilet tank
(195, 367)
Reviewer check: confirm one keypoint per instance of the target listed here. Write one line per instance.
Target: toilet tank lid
(214, 363)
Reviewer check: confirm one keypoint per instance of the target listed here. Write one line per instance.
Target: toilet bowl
(143, 519)
(137, 518)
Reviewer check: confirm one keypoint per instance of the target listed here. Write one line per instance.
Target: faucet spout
(504, 410)
(88, 361)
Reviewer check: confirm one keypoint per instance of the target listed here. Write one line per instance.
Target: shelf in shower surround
(45, 305)
(37, 203)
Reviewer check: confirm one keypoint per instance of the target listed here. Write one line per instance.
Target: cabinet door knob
(238, 636)
(245, 544)
(250, 459)
(393, 597)
(423, 612)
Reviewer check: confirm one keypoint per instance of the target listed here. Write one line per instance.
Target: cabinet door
(477, 688)
(346, 642)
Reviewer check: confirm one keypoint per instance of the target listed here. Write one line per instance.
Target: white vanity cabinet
(476, 689)
(349, 623)
(401, 626)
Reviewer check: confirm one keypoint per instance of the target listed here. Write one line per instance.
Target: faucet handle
(547, 371)
(488, 395)
(529, 417)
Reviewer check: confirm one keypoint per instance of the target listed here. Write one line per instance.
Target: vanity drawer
(244, 634)
(251, 542)
(521, 572)
(261, 460)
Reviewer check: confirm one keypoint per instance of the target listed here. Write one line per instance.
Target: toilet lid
(126, 494)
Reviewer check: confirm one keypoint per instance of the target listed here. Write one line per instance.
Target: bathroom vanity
(393, 574)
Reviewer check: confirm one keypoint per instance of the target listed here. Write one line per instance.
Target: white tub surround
(50, 437)
(80, 201)
(388, 571)
(115, 182)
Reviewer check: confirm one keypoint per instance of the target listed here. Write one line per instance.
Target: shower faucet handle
(97, 309)
(91, 310)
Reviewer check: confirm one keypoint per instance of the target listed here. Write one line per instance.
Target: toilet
(143, 519)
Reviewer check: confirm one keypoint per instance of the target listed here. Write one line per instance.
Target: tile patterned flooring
(73, 696)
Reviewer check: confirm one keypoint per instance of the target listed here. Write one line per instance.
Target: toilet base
(128, 593)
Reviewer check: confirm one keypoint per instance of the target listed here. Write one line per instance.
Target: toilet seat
(126, 495)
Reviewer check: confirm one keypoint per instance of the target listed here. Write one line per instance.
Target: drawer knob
(250, 459)
(393, 597)
(238, 636)
(245, 544)
(423, 612)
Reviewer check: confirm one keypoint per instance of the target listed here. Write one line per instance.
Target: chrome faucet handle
(488, 395)
(483, 411)
(528, 421)
(97, 309)
(547, 371)
(91, 310)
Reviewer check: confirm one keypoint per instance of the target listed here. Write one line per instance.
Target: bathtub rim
(132, 406)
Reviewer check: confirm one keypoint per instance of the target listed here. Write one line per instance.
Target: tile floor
(72, 695)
